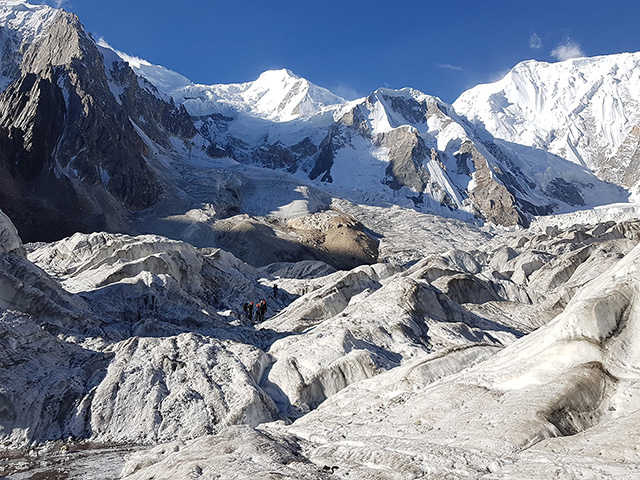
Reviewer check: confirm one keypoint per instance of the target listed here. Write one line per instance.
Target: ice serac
(40, 381)
(63, 131)
(565, 391)
(368, 321)
(183, 387)
(25, 288)
(9, 240)
(132, 348)
(240, 452)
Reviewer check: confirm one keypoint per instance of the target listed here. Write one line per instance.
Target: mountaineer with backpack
(261, 309)
(248, 310)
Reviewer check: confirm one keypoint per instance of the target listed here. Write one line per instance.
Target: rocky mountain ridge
(71, 158)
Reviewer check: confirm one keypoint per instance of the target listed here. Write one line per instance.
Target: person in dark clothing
(258, 309)
(275, 290)
(261, 309)
(248, 310)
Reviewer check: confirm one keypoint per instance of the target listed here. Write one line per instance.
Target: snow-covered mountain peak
(395, 108)
(581, 109)
(27, 19)
(21, 6)
(276, 95)
(20, 24)
(282, 95)
(282, 75)
(407, 93)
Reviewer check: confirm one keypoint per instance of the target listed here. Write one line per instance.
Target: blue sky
(353, 47)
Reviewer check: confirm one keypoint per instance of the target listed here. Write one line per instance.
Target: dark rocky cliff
(69, 151)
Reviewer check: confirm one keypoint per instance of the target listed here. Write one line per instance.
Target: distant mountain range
(86, 134)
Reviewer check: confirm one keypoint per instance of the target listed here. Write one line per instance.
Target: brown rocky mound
(329, 236)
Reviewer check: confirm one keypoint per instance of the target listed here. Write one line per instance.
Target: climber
(275, 290)
(258, 310)
(261, 309)
(248, 310)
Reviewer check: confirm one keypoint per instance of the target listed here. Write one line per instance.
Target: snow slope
(580, 109)
(163, 78)
(22, 22)
(276, 95)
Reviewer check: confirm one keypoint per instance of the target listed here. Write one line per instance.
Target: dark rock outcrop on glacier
(330, 237)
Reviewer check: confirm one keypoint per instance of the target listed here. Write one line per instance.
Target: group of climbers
(260, 310)
(260, 307)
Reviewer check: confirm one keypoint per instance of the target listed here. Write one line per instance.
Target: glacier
(146, 344)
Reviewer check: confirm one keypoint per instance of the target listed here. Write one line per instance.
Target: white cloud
(448, 66)
(535, 41)
(55, 3)
(566, 50)
(135, 62)
(345, 92)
